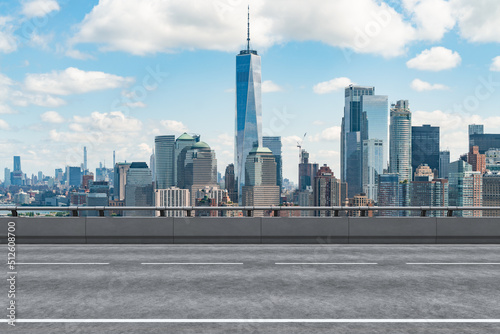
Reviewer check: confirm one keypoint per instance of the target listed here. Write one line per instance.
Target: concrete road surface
(237, 288)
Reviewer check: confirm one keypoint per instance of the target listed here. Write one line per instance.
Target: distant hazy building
(476, 160)
(444, 162)
(365, 117)
(327, 190)
(400, 141)
(260, 180)
(139, 188)
(230, 183)
(248, 110)
(484, 141)
(307, 171)
(74, 176)
(425, 146)
(425, 191)
(120, 180)
(182, 144)
(274, 144)
(164, 160)
(173, 197)
(17, 176)
(6, 180)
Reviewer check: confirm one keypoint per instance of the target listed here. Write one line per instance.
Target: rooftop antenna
(248, 30)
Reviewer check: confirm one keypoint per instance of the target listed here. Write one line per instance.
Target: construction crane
(299, 145)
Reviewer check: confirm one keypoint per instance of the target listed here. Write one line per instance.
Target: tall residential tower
(400, 139)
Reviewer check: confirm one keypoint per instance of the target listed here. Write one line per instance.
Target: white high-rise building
(400, 141)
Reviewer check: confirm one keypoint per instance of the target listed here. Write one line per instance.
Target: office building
(476, 160)
(476, 129)
(6, 179)
(73, 176)
(200, 168)
(307, 172)
(230, 184)
(426, 191)
(365, 118)
(183, 143)
(274, 144)
(484, 141)
(425, 147)
(465, 188)
(120, 180)
(17, 177)
(260, 183)
(164, 161)
(152, 164)
(327, 191)
(388, 193)
(172, 197)
(491, 193)
(444, 162)
(423, 173)
(360, 200)
(373, 166)
(248, 109)
(400, 141)
(139, 188)
(85, 170)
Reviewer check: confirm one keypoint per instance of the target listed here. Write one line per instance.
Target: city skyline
(49, 112)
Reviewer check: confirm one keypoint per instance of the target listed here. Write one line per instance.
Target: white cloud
(74, 81)
(8, 42)
(39, 8)
(437, 58)
(495, 64)
(318, 123)
(328, 153)
(332, 85)
(77, 54)
(4, 125)
(329, 134)
(432, 18)
(368, 27)
(268, 87)
(421, 86)
(114, 121)
(52, 117)
(478, 20)
(230, 90)
(174, 126)
(291, 140)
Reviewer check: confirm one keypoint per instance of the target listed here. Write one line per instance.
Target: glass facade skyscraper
(400, 140)
(425, 146)
(274, 144)
(164, 160)
(248, 110)
(365, 118)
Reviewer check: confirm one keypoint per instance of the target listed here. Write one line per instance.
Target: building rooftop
(201, 144)
(185, 136)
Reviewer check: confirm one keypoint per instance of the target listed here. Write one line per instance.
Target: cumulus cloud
(174, 126)
(437, 58)
(74, 81)
(432, 18)
(4, 125)
(478, 21)
(268, 87)
(39, 8)
(495, 64)
(329, 134)
(114, 121)
(369, 27)
(332, 85)
(8, 42)
(421, 86)
(52, 117)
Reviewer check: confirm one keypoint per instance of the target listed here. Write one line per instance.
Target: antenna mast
(248, 30)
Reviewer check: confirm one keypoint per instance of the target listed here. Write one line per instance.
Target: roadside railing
(333, 211)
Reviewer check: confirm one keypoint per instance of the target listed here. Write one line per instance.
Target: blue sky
(110, 75)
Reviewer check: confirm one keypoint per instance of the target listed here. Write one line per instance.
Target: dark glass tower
(425, 146)
(248, 132)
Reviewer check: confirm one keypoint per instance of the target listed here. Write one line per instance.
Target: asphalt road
(240, 282)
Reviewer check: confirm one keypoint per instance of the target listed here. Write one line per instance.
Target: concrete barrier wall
(336, 230)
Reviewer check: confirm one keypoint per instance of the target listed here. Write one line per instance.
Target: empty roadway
(240, 282)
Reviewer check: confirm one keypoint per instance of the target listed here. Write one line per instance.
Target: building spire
(248, 30)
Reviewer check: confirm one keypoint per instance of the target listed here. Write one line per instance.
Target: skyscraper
(326, 190)
(307, 171)
(476, 129)
(260, 180)
(248, 109)
(6, 181)
(85, 170)
(120, 180)
(200, 168)
(465, 187)
(400, 140)
(477, 160)
(425, 146)
(17, 163)
(164, 160)
(388, 193)
(373, 166)
(230, 183)
(183, 142)
(444, 161)
(73, 176)
(365, 118)
(139, 188)
(484, 141)
(274, 144)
